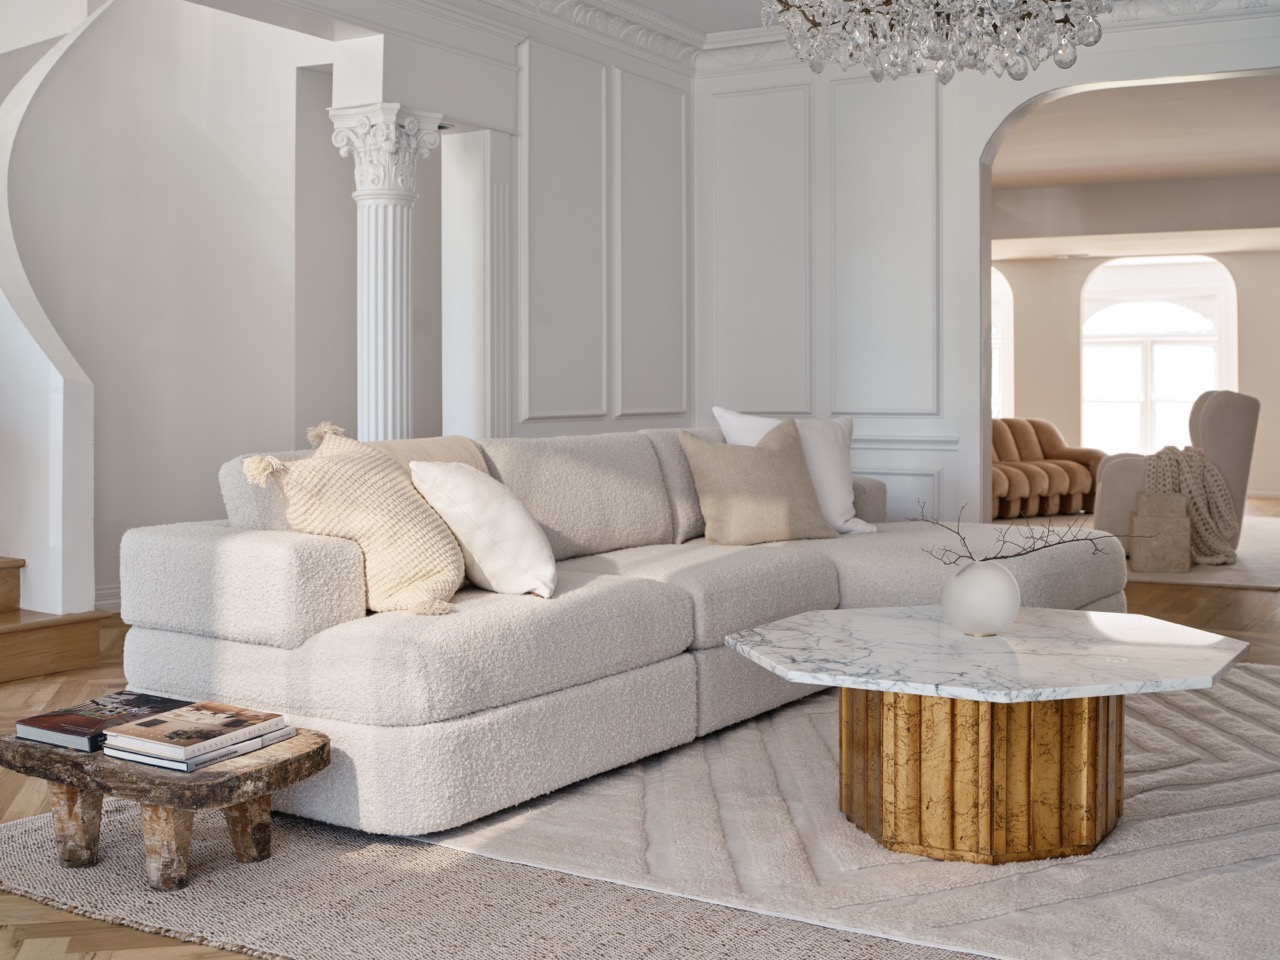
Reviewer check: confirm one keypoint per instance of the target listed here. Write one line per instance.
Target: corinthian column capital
(386, 141)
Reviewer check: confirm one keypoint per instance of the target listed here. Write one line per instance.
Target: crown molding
(630, 10)
(603, 19)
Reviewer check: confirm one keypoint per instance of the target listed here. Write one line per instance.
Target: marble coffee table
(985, 749)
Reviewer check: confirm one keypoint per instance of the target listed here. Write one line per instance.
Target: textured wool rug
(329, 893)
(1257, 566)
(749, 818)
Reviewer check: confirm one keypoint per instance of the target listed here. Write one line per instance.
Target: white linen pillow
(503, 547)
(826, 454)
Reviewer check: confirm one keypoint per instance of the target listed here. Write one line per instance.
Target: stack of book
(194, 736)
(176, 734)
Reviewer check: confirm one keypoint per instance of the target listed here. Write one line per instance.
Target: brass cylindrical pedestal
(979, 781)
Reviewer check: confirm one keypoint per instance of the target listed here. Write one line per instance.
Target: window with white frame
(1001, 345)
(1156, 333)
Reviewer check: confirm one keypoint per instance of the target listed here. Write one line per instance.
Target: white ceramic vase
(981, 598)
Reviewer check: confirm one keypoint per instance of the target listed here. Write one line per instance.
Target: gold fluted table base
(978, 781)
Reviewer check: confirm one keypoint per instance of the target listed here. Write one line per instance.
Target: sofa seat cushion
(733, 588)
(893, 567)
(395, 669)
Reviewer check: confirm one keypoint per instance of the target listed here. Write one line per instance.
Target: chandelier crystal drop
(892, 38)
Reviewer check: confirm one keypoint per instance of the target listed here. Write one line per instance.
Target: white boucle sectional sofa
(436, 721)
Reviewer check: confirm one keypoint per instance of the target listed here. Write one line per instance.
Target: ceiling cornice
(603, 18)
(629, 24)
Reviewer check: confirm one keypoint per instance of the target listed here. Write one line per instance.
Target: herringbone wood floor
(31, 931)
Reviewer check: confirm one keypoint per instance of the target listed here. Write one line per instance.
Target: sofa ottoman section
(397, 669)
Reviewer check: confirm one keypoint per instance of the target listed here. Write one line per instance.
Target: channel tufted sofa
(1035, 474)
(439, 720)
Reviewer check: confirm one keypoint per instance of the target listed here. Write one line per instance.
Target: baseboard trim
(107, 597)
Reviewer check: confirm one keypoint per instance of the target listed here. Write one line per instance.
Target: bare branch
(1017, 539)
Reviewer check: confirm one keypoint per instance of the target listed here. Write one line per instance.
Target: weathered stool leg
(249, 824)
(166, 839)
(77, 820)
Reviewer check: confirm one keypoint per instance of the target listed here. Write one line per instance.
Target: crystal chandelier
(896, 37)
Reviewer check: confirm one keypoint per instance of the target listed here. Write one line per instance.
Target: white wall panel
(651, 303)
(760, 144)
(563, 342)
(884, 144)
(908, 488)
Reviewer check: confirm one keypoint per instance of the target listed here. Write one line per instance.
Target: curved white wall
(152, 188)
(46, 399)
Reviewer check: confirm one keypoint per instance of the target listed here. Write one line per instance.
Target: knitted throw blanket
(1209, 504)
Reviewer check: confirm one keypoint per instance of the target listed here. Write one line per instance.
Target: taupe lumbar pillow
(350, 490)
(756, 494)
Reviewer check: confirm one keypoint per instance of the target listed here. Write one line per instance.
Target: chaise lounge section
(436, 721)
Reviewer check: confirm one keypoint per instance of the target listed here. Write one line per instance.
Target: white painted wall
(153, 193)
(885, 232)
(602, 333)
(1047, 297)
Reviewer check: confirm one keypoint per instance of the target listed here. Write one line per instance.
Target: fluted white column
(386, 141)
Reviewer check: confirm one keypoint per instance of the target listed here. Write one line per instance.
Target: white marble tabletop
(1045, 655)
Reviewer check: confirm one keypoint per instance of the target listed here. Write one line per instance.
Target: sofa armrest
(268, 587)
(870, 499)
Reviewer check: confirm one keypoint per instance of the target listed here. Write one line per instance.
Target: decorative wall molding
(905, 442)
(107, 597)
(642, 30)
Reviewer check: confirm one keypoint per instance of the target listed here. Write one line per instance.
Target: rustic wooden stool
(240, 786)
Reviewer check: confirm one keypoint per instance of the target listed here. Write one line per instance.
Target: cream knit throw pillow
(350, 490)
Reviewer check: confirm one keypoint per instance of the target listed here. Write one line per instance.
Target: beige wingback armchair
(1223, 424)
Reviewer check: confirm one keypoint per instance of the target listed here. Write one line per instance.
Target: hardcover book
(193, 730)
(83, 726)
(205, 759)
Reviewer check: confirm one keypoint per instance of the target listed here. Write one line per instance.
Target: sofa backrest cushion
(250, 506)
(1003, 449)
(1024, 435)
(263, 508)
(591, 494)
(683, 495)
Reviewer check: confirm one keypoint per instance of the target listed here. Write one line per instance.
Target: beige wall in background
(1046, 305)
(1046, 338)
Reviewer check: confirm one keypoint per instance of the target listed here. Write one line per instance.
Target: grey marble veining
(1045, 655)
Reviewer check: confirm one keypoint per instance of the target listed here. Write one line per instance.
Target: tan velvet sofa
(1034, 473)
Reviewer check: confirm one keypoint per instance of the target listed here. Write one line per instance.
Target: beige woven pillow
(350, 490)
(756, 494)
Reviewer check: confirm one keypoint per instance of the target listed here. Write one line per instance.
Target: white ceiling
(708, 16)
(1167, 131)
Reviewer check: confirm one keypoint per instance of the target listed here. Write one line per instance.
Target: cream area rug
(749, 818)
(333, 894)
(1257, 566)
